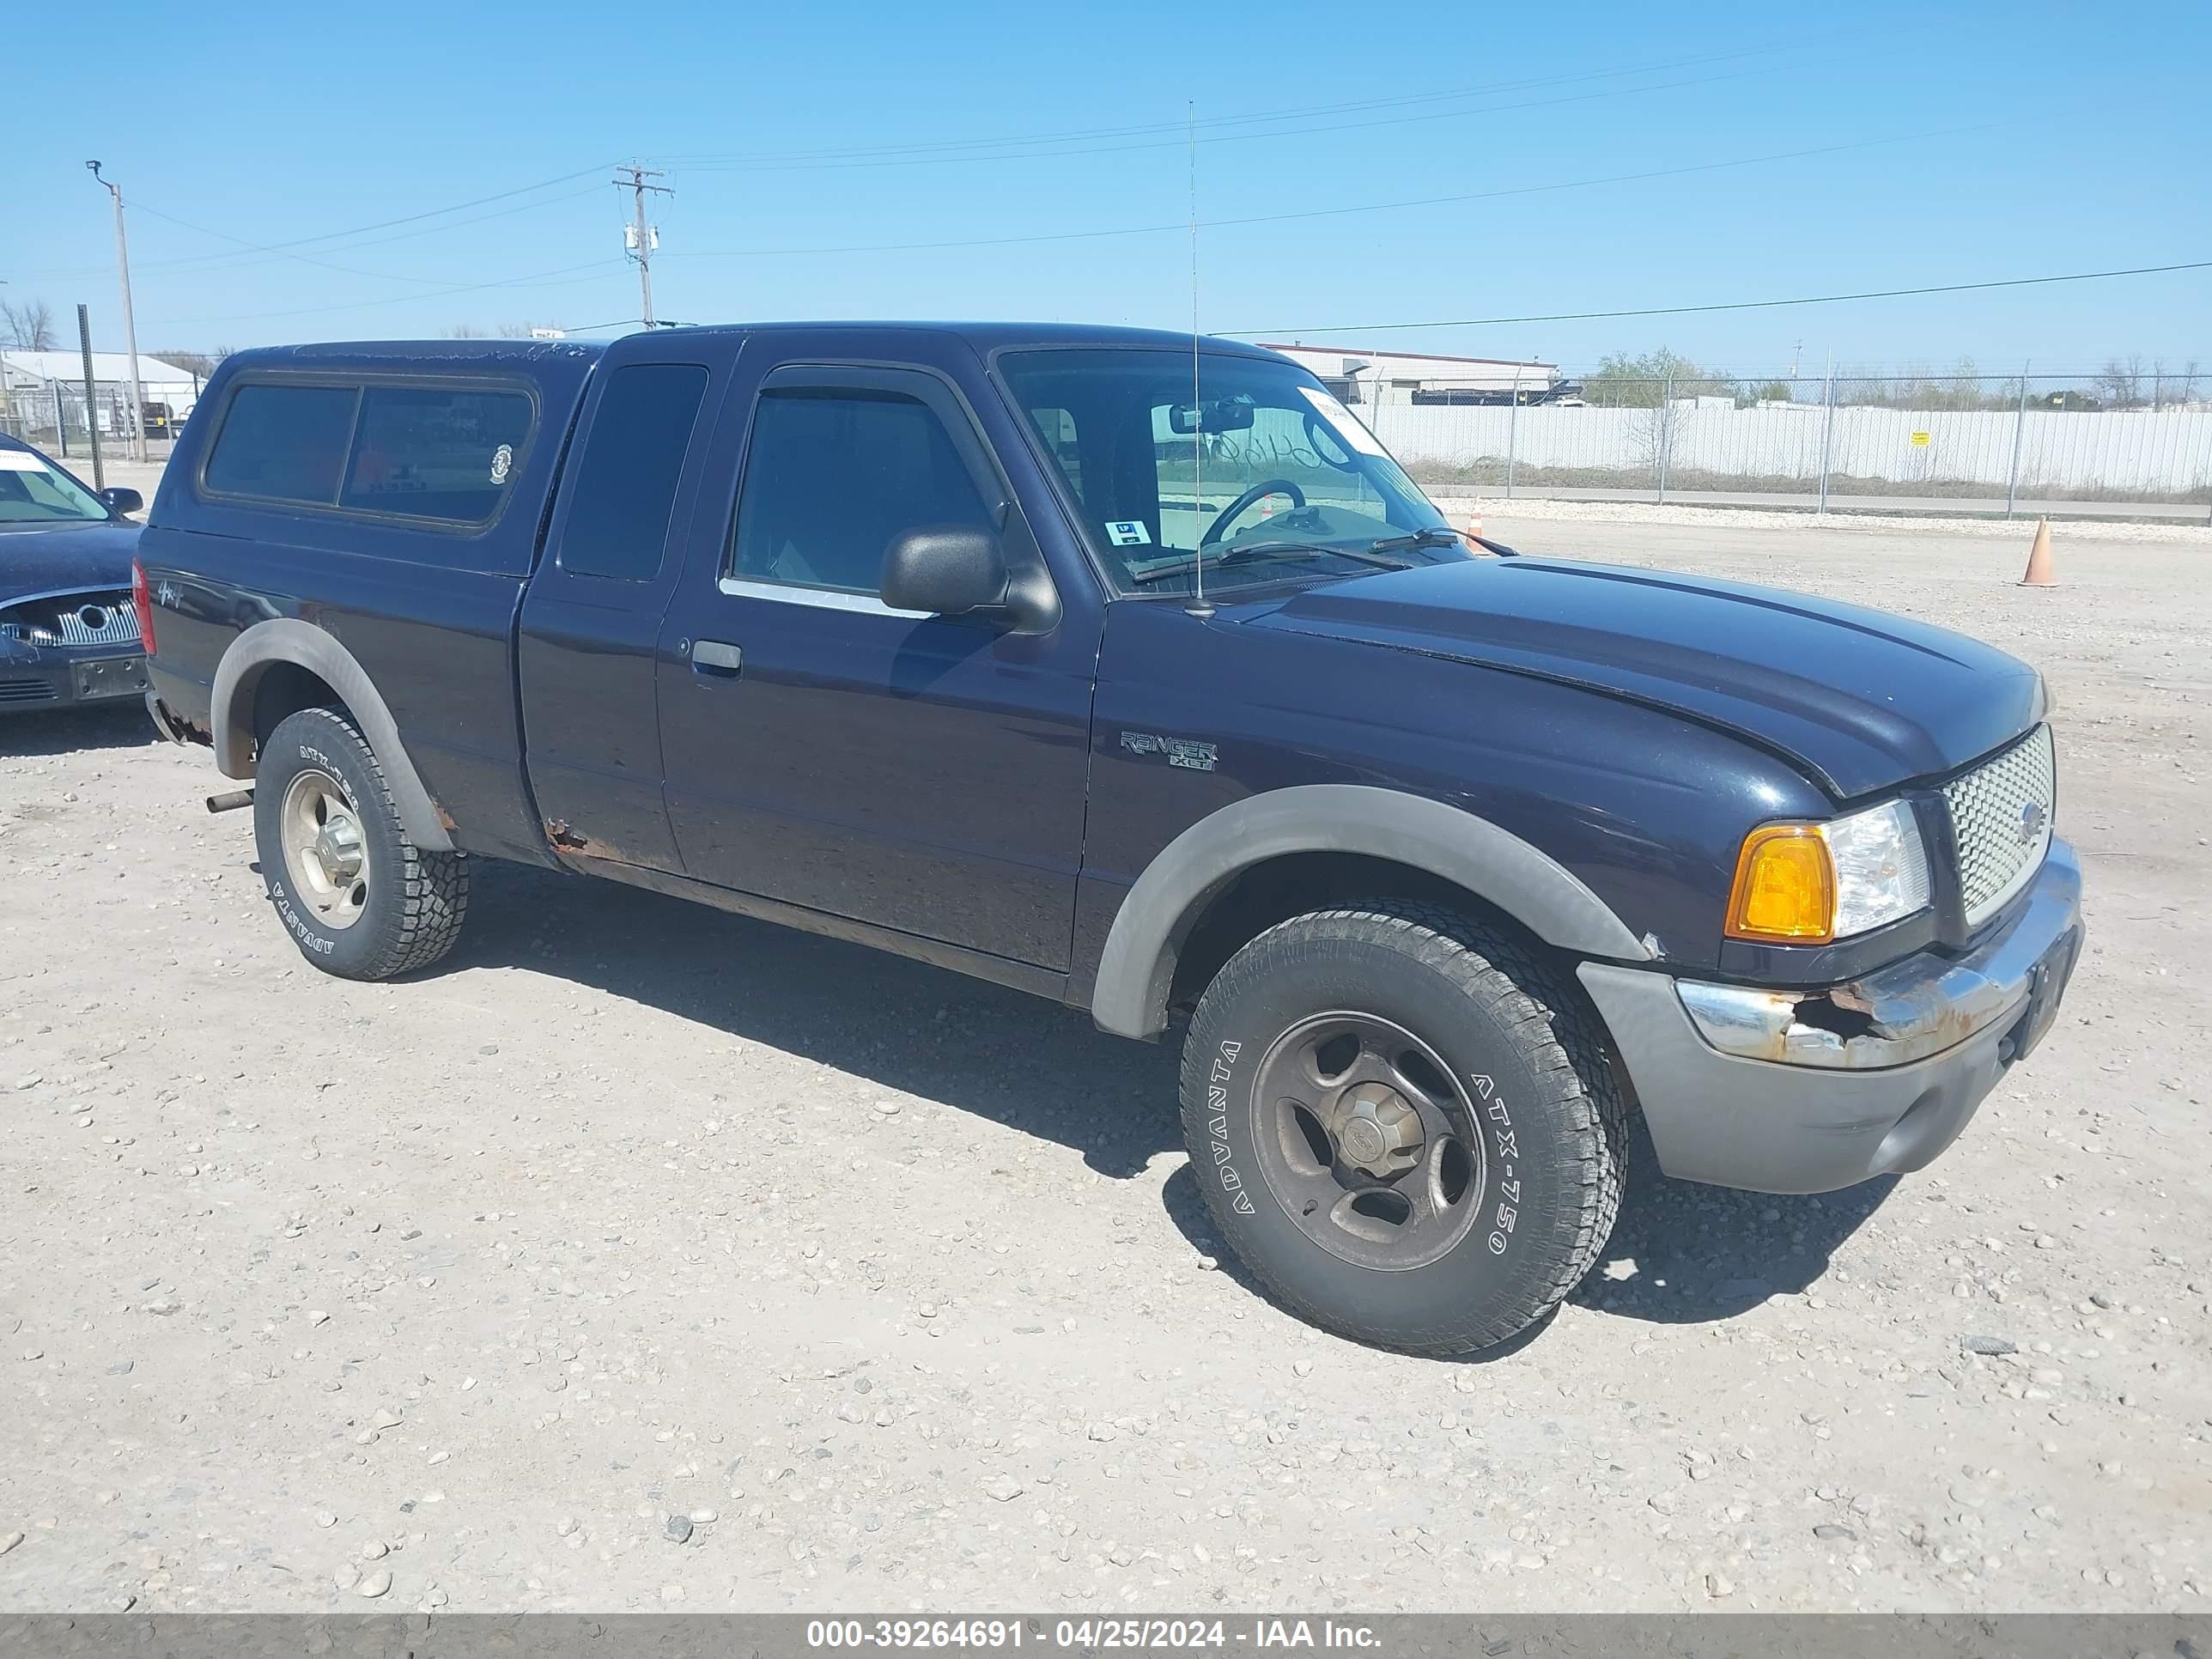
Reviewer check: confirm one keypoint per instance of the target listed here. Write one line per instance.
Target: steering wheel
(1259, 491)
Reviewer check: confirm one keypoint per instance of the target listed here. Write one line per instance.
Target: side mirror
(123, 501)
(947, 570)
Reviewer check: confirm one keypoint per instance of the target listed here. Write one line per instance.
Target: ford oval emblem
(2032, 817)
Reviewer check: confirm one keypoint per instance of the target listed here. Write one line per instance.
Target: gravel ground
(646, 1257)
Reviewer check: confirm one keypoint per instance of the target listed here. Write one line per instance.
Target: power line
(1239, 137)
(258, 247)
(207, 263)
(209, 259)
(1732, 304)
(868, 155)
(538, 279)
(1327, 213)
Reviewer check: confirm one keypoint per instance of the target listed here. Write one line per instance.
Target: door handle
(717, 657)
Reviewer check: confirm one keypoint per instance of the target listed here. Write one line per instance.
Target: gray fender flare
(287, 640)
(1138, 965)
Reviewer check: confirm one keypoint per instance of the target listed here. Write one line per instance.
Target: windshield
(1259, 477)
(33, 492)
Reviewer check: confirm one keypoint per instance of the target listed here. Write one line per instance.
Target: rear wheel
(359, 898)
(1404, 1126)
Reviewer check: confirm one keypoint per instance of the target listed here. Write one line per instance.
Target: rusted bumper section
(1787, 1092)
(173, 725)
(1909, 1010)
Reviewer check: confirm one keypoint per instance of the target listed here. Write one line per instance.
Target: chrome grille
(98, 621)
(2001, 814)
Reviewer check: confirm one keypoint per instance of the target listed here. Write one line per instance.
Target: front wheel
(1404, 1126)
(359, 898)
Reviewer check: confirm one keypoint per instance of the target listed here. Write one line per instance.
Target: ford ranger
(1129, 669)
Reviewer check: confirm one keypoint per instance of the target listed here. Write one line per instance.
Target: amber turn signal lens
(1785, 887)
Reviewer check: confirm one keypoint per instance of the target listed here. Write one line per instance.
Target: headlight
(1805, 883)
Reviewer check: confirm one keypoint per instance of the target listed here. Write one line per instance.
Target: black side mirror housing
(122, 501)
(947, 570)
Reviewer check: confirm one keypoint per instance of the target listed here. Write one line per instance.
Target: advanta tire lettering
(415, 902)
(1430, 1045)
(309, 939)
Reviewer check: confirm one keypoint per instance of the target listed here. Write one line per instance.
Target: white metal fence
(1815, 447)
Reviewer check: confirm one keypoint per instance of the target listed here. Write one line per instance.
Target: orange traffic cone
(2039, 572)
(1474, 531)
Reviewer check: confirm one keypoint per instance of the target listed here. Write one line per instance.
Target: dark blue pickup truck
(1132, 671)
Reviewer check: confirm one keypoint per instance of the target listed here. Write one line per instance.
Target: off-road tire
(416, 899)
(1488, 1007)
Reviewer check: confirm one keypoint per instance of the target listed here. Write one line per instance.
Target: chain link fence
(50, 414)
(2009, 446)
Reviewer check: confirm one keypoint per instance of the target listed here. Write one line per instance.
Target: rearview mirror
(1223, 415)
(947, 570)
(122, 501)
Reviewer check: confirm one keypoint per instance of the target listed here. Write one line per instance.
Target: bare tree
(2173, 388)
(30, 325)
(504, 332)
(201, 363)
(2120, 382)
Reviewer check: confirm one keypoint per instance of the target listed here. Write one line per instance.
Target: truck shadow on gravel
(124, 726)
(1684, 1253)
(1019, 1060)
(1681, 1253)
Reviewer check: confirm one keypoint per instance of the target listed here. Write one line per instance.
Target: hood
(55, 558)
(1860, 700)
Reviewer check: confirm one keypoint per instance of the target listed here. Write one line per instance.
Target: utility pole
(130, 328)
(641, 239)
(91, 408)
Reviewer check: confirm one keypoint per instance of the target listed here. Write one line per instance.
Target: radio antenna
(1198, 607)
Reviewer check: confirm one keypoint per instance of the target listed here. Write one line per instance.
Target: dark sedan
(68, 630)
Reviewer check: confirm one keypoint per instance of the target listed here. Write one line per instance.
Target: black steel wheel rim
(1368, 1141)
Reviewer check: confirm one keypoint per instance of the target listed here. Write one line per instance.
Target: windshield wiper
(1250, 551)
(1435, 535)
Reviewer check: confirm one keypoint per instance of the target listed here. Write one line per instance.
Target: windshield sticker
(20, 460)
(1347, 425)
(1128, 532)
(502, 459)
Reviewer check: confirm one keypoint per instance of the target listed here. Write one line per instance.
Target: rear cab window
(283, 443)
(623, 494)
(442, 453)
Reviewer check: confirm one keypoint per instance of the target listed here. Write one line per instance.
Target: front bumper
(49, 678)
(1738, 1089)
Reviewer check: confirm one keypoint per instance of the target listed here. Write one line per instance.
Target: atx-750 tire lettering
(1404, 1124)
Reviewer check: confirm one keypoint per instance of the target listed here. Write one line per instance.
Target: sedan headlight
(1806, 883)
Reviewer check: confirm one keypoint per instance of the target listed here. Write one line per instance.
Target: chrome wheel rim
(1368, 1141)
(325, 851)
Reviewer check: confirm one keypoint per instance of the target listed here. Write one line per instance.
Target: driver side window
(833, 476)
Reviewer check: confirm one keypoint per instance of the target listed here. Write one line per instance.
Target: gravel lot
(646, 1257)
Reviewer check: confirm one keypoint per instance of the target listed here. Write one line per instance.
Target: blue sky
(810, 147)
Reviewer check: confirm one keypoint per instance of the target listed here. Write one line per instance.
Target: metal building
(1371, 377)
